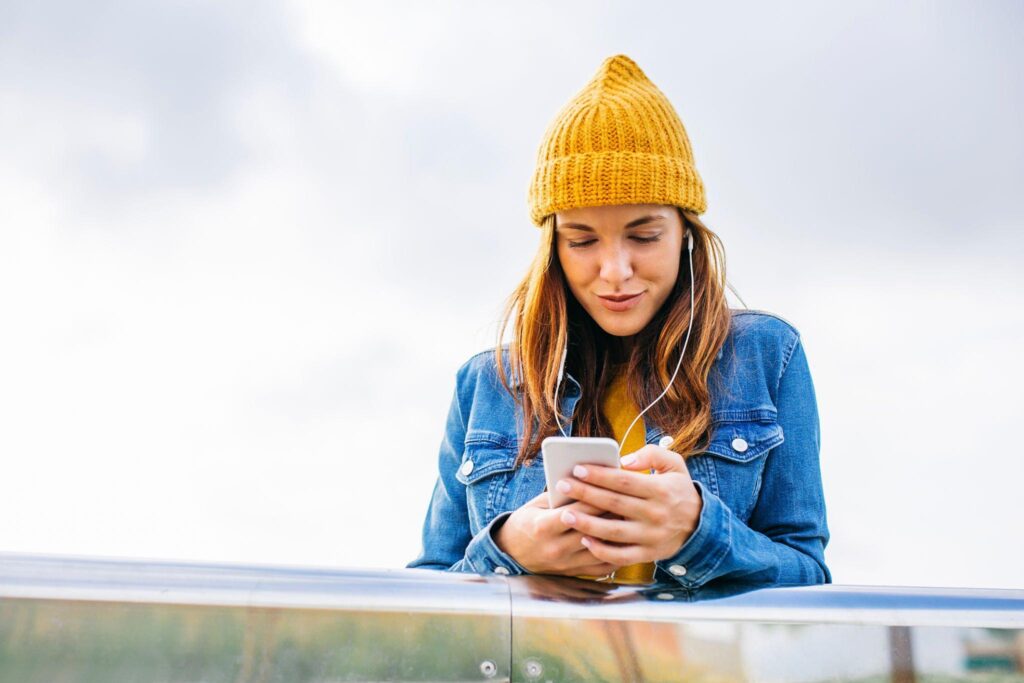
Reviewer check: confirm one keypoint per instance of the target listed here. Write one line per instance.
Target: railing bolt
(533, 668)
(488, 668)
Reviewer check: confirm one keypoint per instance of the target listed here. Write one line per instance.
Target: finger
(619, 503)
(613, 554)
(651, 456)
(572, 551)
(586, 508)
(574, 554)
(571, 556)
(637, 484)
(589, 509)
(614, 530)
(584, 563)
(552, 523)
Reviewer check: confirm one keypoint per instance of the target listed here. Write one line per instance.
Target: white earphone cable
(561, 369)
(679, 363)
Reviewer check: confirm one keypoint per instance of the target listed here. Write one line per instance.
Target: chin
(620, 328)
(624, 324)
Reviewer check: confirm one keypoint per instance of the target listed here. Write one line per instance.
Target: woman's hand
(537, 538)
(659, 512)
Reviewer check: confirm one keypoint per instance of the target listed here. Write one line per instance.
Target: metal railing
(86, 619)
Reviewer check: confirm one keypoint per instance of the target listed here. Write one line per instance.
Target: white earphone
(679, 363)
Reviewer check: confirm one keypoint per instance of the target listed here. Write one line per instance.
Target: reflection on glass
(109, 621)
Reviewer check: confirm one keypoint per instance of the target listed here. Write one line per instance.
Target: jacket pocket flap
(744, 440)
(490, 454)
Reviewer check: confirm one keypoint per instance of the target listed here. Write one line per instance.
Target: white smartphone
(562, 453)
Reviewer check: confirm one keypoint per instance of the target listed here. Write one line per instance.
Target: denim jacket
(763, 514)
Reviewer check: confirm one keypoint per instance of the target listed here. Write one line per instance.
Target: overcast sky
(245, 246)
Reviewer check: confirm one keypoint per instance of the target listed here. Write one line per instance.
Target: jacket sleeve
(448, 544)
(785, 541)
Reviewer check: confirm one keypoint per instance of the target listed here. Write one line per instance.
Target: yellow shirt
(620, 412)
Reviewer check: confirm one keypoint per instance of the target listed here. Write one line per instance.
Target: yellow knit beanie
(617, 141)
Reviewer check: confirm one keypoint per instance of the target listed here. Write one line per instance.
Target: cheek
(664, 268)
(576, 270)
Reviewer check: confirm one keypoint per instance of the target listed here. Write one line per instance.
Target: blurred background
(245, 246)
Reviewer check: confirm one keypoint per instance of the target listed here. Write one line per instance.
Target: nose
(616, 264)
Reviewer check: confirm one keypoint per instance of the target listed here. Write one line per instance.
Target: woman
(625, 300)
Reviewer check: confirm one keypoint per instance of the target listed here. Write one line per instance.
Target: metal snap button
(501, 570)
(467, 467)
(678, 570)
(665, 441)
(739, 445)
(665, 596)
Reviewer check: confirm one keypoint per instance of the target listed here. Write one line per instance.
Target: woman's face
(621, 261)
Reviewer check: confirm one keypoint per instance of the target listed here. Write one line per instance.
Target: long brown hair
(543, 312)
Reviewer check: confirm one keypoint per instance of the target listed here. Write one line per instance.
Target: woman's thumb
(654, 457)
(540, 500)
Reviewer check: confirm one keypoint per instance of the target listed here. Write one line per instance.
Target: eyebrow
(643, 220)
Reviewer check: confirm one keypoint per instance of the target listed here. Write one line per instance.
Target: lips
(620, 302)
(619, 297)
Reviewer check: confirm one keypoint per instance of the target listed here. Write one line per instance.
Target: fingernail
(629, 460)
(563, 486)
(580, 471)
(585, 541)
(568, 517)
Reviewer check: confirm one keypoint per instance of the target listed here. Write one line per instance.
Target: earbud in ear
(689, 239)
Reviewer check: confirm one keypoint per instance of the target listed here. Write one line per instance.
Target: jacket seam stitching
(785, 363)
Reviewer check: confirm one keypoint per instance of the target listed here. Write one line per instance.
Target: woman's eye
(577, 244)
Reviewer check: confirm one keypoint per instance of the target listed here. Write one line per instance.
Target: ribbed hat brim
(609, 178)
